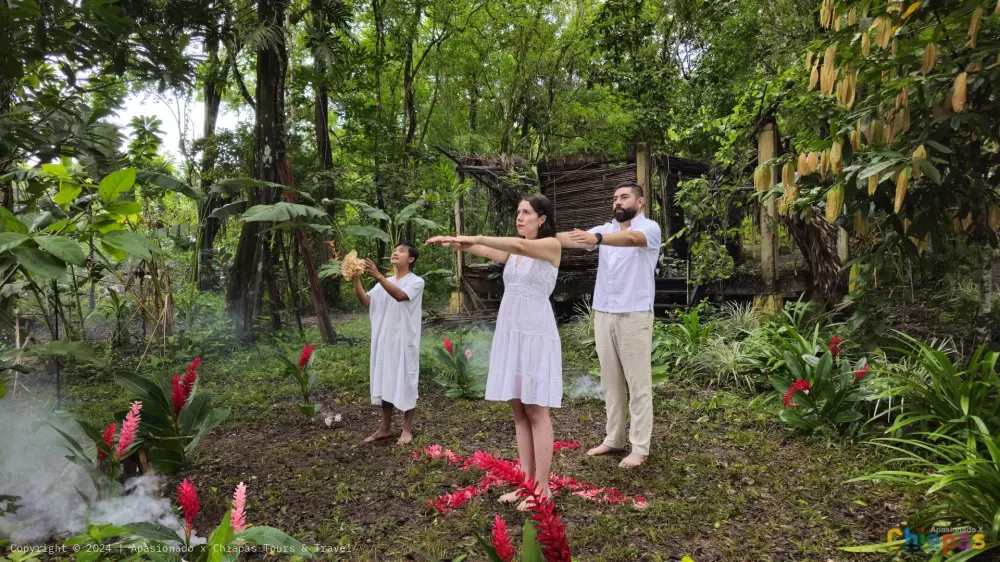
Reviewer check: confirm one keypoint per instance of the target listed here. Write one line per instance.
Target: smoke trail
(586, 386)
(33, 466)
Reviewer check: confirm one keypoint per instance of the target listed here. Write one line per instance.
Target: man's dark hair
(636, 188)
(412, 250)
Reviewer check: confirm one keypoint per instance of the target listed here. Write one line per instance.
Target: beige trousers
(624, 347)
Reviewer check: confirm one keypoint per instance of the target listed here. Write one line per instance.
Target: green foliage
(455, 374)
(960, 479)
(116, 308)
(303, 375)
(830, 400)
(707, 213)
(941, 398)
(172, 436)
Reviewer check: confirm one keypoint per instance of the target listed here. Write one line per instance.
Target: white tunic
(526, 357)
(626, 275)
(395, 355)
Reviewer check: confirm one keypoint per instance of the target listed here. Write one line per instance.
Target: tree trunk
(315, 291)
(379, 51)
(324, 149)
(817, 240)
(214, 85)
(244, 295)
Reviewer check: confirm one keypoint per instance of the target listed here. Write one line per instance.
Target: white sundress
(526, 357)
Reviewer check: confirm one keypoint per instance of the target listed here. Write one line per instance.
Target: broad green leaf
(329, 269)
(229, 209)
(10, 239)
(131, 243)
(165, 460)
(122, 208)
(847, 416)
(793, 418)
(939, 147)
(195, 412)
(368, 232)
(876, 168)
(155, 532)
(531, 551)
(235, 185)
(55, 169)
(170, 184)
(216, 417)
(408, 212)
(38, 262)
(269, 536)
(115, 183)
(68, 192)
(145, 389)
(220, 538)
(488, 548)
(930, 170)
(280, 212)
(63, 248)
(428, 224)
(11, 223)
(79, 351)
(367, 209)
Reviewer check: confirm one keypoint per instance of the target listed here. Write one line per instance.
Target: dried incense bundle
(351, 267)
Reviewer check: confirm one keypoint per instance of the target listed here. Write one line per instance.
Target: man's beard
(625, 215)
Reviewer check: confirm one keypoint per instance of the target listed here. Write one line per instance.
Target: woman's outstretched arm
(474, 249)
(548, 249)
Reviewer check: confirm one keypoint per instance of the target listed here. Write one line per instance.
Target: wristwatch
(599, 238)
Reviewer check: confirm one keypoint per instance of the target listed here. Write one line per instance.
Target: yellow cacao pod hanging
(824, 163)
(994, 219)
(866, 43)
(813, 161)
(782, 206)
(809, 58)
(852, 285)
(902, 183)
(860, 225)
(872, 184)
(919, 154)
(958, 92)
(814, 76)
(977, 17)
(930, 58)
(834, 203)
(788, 183)
(852, 16)
(883, 30)
(803, 165)
(836, 156)
(836, 21)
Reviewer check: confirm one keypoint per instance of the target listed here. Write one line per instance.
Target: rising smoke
(33, 466)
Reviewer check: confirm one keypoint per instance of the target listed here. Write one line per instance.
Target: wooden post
(767, 148)
(643, 171)
(458, 299)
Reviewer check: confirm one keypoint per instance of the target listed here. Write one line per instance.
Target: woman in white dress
(526, 356)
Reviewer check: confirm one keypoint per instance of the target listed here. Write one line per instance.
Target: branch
(239, 81)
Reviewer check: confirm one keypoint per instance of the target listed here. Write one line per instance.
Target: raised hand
(372, 269)
(582, 237)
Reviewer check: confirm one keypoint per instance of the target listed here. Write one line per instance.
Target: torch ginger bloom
(109, 440)
(238, 516)
(449, 347)
(129, 428)
(551, 531)
(307, 351)
(500, 540)
(834, 346)
(177, 395)
(798, 385)
(188, 498)
(860, 374)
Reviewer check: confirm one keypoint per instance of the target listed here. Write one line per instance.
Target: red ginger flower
(449, 347)
(800, 384)
(187, 496)
(177, 395)
(238, 515)
(129, 428)
(834, 346)
(307, 351)
(109, 440)
(860, 373)
(500, 539)
(548, 525)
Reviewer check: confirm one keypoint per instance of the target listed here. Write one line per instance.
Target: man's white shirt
(625, 275)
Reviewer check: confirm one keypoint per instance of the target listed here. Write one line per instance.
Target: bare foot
(523, 506)
(509, 497)
(404, 438)
(602, 449)
(380, 434)
(632, 460)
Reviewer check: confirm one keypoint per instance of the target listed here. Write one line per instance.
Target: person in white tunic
(623, 318)
(526, 356)
(394, 309)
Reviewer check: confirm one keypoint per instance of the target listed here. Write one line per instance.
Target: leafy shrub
(960, 478)
(173, 427)
(823, 391)
(455, 374)
(939, 397)
(303, 375)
